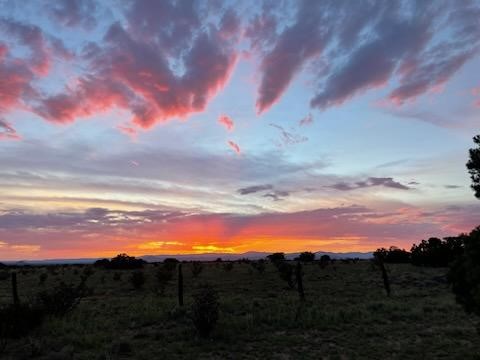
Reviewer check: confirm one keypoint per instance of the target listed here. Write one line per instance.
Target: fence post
(180, 285)
(16, 300)
(299, 275)
(386, 280)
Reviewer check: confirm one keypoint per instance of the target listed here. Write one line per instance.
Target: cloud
(234, 146)
(289, 138)
(293, 47)
(347, 228)
(74, 13)
(226, 121)
(307, 120)
(137, 68)
(277, 195)
(7, 132)
(452, 186)
(414, 47)
(370, 182)
(254, 189)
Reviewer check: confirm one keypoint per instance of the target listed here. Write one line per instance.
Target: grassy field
(346, 315)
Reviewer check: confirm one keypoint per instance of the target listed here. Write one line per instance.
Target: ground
(346, 315)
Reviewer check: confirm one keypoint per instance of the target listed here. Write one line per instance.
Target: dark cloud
(307, 120)
(417, 46)
(254, 189)
(452, 186)
(370, 182)
(277, 195)
(7, 132)
(288, 137)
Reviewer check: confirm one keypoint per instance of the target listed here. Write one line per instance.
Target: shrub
(18, 321)
(164, 274)
(117, 276)
(4, 275)
(228, 266)
(306, 256)
(436, 252)
(197, 268)
(137, 279)
(393, 255)
(62, 299)
(464, 274)
(42, 278)
(205, 310)
(279, 256)
(286, 272)
(324, 261)
(104, 263)
(125, 262)
(259, 265)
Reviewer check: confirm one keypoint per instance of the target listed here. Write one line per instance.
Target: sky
(169, 127)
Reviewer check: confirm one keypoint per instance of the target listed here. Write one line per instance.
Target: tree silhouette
(473, 166)
(306, 256)
(465, 271)
(465, 274)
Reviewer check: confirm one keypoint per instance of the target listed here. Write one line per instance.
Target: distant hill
(252, 255)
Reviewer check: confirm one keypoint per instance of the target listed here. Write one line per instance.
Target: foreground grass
(346, 315)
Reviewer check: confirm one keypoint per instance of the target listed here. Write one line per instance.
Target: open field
(346, 315)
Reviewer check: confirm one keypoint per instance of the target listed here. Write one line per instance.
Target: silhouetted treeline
(121, 262)
(431, 252)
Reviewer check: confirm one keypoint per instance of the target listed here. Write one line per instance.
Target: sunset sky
(167, 127)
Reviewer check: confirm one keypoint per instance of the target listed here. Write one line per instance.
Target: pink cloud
(226, 121)
(234, 146)
(131, 74)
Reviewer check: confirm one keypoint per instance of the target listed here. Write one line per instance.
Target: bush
(464, 274)
(436, 252)
(205, 310)
(259, 265)
(393, 255)
(42, 278)
(286, 272)
(228, 266)
(18, 321)
(164, 274)
(197, 268)
(125, 262)
(62, 299)
(324, 261)
(117, 276)
(137, 279)
(279, 256)
(306, 256)
(4, 275)
(103, 263)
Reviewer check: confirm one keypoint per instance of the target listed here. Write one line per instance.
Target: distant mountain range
(252, 255)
